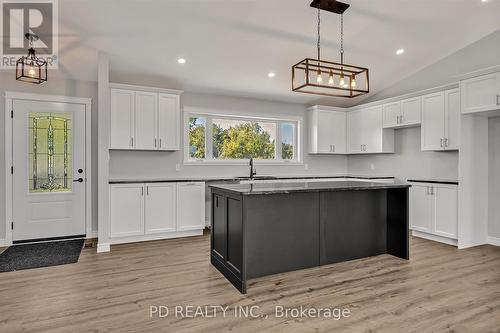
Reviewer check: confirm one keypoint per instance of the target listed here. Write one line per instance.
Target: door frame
(9, 177)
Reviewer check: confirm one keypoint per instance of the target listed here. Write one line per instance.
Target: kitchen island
(268, 228)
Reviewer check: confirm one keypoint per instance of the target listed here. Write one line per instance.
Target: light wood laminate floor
(441, 289)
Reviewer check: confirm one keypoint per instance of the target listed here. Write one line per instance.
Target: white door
(325, 139)
(190, 206)
(48, 156)
(411, 111)
(392, 113)
(420, 208)
(433, 121)
(481, 93)
(122, 122)
(452, 114)
(145, 120)
(160, 208)
(446, 203)
(168, 122)
(126, 210)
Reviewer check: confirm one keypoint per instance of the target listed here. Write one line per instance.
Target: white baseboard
(159, 236)
(102, 248)
(435, 238)
(494, 241)
(3, 243)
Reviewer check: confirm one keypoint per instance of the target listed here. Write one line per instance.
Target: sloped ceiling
(231, 45)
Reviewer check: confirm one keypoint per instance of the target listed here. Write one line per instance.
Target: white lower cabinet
(126, 210)
(433, 210)
(140, 212)
(190, 206)
(160, 208)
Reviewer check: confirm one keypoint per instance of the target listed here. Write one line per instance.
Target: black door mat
(36, 255)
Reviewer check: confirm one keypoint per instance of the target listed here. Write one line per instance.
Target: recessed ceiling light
(181, 61)
(484, 0)
(400, 51)
(271, 75)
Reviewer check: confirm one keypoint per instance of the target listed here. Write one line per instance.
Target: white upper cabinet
(440, 120)
(168, 121)
(190, 206)
(122, 119)
(392, 114)
(144, 120)
(403, 113)
(452, 119)
(411, 111)
(366, 134)
(327, 132)
(146, 109)
(481, 93)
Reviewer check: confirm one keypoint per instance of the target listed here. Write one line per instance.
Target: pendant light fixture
(344, 80)
(30, 68)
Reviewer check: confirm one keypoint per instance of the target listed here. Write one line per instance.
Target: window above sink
(216, 138)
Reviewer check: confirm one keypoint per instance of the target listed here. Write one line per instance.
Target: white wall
(53, 87)
(408, 161)
(130, 164)
(494, 177)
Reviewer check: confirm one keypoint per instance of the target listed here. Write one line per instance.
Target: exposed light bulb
(342, 80)
(330, 79)
(319, 79)
(353, 82)
(31, 71)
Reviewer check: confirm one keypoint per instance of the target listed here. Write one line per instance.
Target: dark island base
(260, 235)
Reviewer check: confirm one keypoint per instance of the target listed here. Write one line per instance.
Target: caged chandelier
(321, 77)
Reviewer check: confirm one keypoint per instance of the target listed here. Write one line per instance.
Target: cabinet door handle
(446, 142)
(428, 190)
(155, 142)
(333, 148)
(399, 119)
(160, 142)
(441, 143)
(131, 142)
(142, 191)
(498, 99)
(147, 190)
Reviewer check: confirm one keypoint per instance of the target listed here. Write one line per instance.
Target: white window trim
(210, 114)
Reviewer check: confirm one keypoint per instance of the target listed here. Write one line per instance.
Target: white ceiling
(231, 45)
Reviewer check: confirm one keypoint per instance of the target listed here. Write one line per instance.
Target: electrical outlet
(372, 166)
(177, 167)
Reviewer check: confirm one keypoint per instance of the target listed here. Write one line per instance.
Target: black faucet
(252, 170)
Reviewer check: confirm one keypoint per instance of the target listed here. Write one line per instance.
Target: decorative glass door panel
(50, 152)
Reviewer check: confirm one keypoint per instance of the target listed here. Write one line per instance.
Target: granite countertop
(215, 179)
(434, 181)
(284, 188)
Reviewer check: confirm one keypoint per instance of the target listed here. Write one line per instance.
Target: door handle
(79, 180)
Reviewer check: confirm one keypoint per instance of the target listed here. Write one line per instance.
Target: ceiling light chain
(319, 32)
(342, 38)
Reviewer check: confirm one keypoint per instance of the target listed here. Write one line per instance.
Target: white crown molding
(145, 88)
